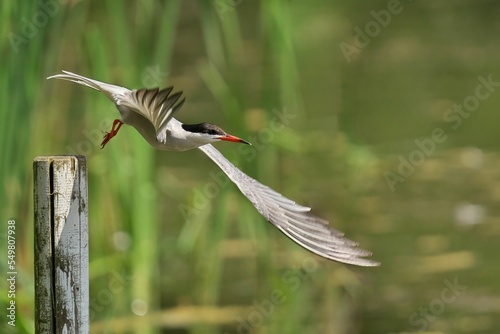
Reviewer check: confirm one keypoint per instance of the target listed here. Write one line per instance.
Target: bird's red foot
(112, 133)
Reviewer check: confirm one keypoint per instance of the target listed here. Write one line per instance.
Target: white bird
(151, 112)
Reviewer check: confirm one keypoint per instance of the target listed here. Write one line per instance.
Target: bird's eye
(212, 132)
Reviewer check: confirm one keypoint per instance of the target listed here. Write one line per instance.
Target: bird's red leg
(112, 133)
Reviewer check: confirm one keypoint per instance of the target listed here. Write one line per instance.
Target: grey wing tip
(368, 263)
(356, 258)
(365, 262)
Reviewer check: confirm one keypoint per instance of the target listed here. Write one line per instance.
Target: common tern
(151, 112)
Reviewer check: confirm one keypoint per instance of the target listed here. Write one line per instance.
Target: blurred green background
(374, 144)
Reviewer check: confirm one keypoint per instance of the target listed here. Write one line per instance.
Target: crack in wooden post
(61, 245)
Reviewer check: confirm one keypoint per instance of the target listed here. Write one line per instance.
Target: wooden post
(61, 245)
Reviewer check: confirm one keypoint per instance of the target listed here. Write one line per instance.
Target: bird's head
(206, 133)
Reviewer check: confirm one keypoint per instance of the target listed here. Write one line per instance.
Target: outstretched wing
(294, 220)
(158, 106)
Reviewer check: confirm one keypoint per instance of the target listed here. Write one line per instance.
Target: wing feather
(158, 106)
(294, 220)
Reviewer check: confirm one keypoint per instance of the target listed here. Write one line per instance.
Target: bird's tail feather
(111, 91)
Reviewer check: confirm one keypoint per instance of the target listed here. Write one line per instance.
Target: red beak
(234, 139)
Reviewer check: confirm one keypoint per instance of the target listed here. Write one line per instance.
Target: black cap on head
(213, 130)
(204, 128)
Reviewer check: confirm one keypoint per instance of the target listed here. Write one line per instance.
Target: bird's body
(151, 111)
